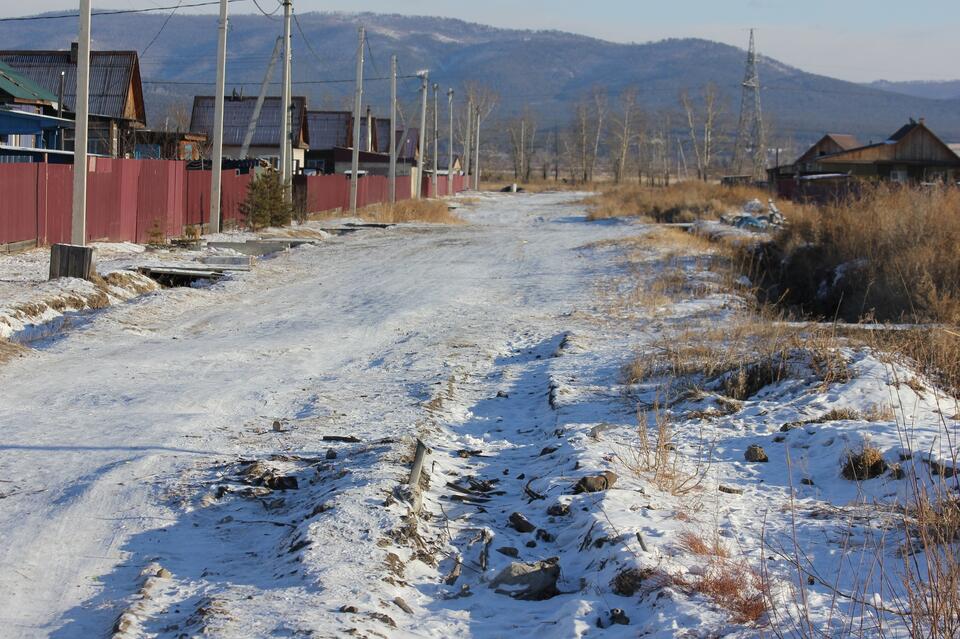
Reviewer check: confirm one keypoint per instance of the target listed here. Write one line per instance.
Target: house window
(899, 175)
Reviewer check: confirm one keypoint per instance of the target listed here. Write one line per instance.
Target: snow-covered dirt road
(232, 461)
(114, 438)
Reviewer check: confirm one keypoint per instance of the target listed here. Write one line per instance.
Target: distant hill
(944, 90)
(547, 70)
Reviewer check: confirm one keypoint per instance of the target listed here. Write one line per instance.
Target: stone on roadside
(529, 581)
(595, 483)
(521, 524)
(755, 453)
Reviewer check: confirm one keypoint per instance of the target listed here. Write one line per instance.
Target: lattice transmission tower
(750, 153)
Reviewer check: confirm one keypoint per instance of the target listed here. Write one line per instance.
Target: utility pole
(476, 154)
(468, 137)
(523, 133)
(286, 139)
(258, 107)
(421, 143)
(393, 129)
(217, 153)
(556, 154)
(450, 145)
(78, 234)
(357, 104)
(436, 139)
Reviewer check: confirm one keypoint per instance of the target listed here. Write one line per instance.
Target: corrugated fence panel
(234, 192)
(54, 220)
(18, 202)
(403, 187)
(197, 197)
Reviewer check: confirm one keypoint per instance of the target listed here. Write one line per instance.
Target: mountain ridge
(547, 71)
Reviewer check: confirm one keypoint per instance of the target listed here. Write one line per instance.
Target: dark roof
(407, 141)
(903, 131)
(23, 88)
(237, 112)
(381, 127)
(112, 74)
(329, 129)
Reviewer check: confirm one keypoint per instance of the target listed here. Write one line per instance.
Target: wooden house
(912, 154)
(116, 92)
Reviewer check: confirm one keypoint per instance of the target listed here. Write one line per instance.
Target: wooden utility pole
(357, 105)
(393, 129)
(476, 154)
(286, 139)
(450, 145)
(436, 139)
(421, 142)
(78, 233)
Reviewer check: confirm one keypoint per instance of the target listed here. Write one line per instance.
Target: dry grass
(679, 202)
(433, 211)
(865, 463)
(891, 254)
(740, 358)
(654, 456)
(9, 350)
(695, 543)
(540, 185)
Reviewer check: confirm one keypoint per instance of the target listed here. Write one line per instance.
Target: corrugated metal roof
(111, 75)
(23, 88)
(329, 129)
(236, 118)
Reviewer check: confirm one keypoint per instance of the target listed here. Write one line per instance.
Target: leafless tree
(523, 134)
(623, 132)
(599, 113)
(176, 118)
(702, 126)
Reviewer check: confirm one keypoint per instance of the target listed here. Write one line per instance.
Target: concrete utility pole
(523, 135)
(78, 234)
(217, 153)
(393, 129)
(421, 143)
(450, 145)
(436, 139)
(252, 127)
(357, 104)
(476, 154)
(286, 139)
(467, 137)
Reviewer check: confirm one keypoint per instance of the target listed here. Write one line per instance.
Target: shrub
(890, 253)
(266, 204)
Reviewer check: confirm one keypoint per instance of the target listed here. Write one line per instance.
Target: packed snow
(232, 460)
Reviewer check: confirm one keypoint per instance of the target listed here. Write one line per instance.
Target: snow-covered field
(231, 461)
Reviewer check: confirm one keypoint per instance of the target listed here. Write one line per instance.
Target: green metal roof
(23, 88)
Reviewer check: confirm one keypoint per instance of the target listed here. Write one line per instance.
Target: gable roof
(23, 88)
(237, 112)
(844, 140)
(896, 148)
(115, 88)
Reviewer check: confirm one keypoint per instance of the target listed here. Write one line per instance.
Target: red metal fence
(137, 200)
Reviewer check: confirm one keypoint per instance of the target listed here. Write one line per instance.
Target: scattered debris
(529, 581)
(595, 483)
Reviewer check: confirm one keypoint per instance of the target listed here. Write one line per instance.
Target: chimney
(922, 120)
(73, 52)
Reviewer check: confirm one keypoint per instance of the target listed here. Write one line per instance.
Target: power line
(162, 27)
(185, 83)
(271, 14)
(61, 16)
(306, 41)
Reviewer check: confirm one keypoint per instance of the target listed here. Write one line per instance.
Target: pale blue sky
(850, 39)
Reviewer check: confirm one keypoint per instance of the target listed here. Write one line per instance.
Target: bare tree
(523, 133)
(599, 112)
(623, 132)
(702, 127)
